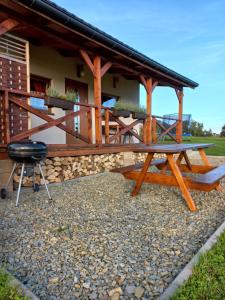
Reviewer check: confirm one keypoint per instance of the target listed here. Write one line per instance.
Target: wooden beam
(155, 83)
(97, 99)
(7, 25)
(179, 130)
(143, 81)
(88, 61)
(149, 110)
(105, 68)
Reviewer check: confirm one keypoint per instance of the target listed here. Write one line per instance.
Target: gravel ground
(94, 241)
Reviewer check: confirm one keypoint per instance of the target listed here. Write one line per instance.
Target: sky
(186, 36)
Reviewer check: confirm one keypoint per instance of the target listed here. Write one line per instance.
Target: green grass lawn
(7, 292)
(208, 279)
(218, 149)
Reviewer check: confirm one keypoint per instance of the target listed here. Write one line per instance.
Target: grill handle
(38, 158)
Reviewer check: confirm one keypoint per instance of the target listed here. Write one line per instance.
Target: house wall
(47, 62)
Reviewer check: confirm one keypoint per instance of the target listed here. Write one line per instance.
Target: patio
(94, 237)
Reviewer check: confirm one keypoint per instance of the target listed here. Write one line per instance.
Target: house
(42, 45)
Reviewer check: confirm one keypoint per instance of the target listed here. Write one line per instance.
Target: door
(78, 123)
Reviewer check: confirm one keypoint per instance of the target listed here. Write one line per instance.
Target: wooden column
(179, 129)
(98, 72)
(97, 99)
(6, 116)
(149, 86)
(149, 111)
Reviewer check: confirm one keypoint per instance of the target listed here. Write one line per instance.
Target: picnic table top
(172, 148)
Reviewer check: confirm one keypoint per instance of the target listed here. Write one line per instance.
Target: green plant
(72, 95)
(129, 107)
(137, 108)
(52, 92)
(123, 106)
(7, 291)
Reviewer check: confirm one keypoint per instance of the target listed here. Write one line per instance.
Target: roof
(68, 19)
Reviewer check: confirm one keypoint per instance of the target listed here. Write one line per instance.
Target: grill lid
(27, 151)
(27, 146)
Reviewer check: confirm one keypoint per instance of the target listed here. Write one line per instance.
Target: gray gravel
(94, 241)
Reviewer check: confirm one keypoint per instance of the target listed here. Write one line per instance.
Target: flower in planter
(121, 109)
(139, 112)
(72, 95)
(52, 92)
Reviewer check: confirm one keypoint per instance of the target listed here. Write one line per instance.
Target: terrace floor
(94, 237)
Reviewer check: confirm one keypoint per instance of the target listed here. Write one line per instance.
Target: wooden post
(89, 124)
(149, 111)
(98, 72)
(6, 116)
(149, 86)
(179, 129)
(97, 99)
(107, 126)
(154, 130)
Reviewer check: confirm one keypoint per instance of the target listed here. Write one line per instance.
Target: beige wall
(49, 63)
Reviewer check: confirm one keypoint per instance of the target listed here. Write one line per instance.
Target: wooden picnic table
(175, 173)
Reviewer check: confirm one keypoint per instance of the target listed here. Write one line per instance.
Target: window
(109, 100)
(38, 85)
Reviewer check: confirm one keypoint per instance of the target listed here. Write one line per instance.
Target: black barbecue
(30, 154)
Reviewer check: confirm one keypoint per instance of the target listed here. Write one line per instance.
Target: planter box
(121, 113)
(60, 103)
(139, 115)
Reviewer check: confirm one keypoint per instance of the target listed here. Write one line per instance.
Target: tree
(196, 128)
(208, 132)
(222, 133)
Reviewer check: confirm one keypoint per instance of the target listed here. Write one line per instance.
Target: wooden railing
(85, 111)
(160, 129)
(20, 99)
(15, 110)
(122, 128)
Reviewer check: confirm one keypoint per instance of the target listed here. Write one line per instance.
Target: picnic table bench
(175, 173)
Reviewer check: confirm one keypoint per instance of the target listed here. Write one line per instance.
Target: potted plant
(54, 99)
(139, 113)
(121, 110)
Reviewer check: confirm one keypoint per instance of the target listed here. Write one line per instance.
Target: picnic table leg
(176, 172)
(182, 155)
(142, 174)
(207, 163)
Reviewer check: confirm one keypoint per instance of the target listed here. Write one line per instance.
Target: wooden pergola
(43, 23)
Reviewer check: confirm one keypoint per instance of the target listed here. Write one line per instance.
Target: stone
(53, 280)
(114, 291)
(115, 296)
(86, 285)
(120, 279)
(138, 292)
(130, 289)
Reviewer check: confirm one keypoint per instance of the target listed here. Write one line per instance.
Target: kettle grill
(28, 153)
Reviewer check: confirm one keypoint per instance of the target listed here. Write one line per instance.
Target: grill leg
(20, 183)
(10, 177)
(33, 176)
(42, 175)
